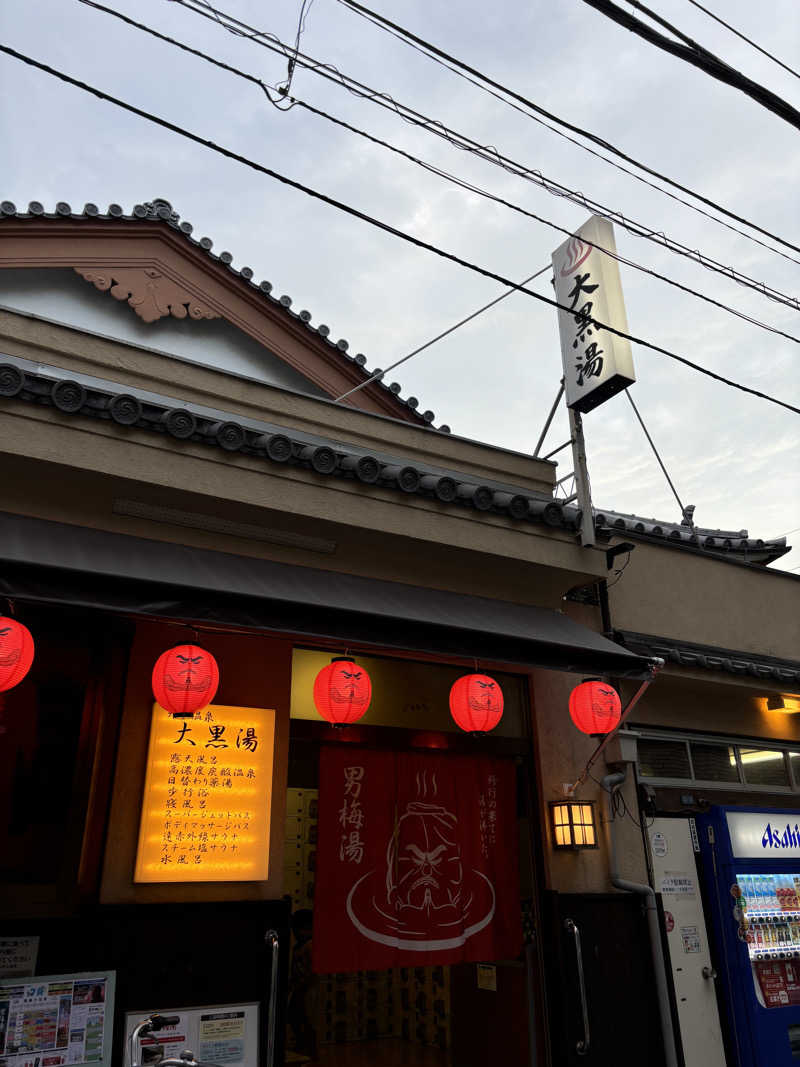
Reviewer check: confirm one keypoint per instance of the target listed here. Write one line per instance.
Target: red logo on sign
(577, 252)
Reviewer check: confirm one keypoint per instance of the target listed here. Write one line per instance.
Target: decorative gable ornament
(151, 294)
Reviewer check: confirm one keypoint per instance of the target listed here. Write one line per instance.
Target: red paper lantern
(476, 703)
(595, 707)
(342, 692)
(185, 679)
(16, 652)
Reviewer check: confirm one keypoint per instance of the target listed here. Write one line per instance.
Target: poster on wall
(416, 861)
(18, 956)
(220, 1034)
(56, 1020)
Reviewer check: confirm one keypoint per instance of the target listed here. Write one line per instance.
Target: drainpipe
(610, 783)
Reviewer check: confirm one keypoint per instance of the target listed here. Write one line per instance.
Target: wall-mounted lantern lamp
(783, 702)
(573, 824)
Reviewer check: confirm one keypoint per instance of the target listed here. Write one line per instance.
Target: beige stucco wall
(130, 366)
(716, 703)
(83, 467)
(670, 592)
(562, 752)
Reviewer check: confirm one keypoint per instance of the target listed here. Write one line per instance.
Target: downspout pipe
(611, 782)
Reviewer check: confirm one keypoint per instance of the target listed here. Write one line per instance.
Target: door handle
(582, 1046)
(709, 973)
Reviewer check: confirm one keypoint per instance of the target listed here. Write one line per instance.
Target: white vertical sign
(597, 364)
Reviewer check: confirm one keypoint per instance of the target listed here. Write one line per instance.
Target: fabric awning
(59, 563)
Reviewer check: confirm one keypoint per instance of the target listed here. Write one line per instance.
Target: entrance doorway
(427, 1016)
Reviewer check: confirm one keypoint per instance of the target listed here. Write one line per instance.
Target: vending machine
(751, 867)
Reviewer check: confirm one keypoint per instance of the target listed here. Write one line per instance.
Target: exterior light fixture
(783, 702)
(342, 691)
(595, 707)
(476, 703)
(16, 652)
(573, 824)
(185, 679)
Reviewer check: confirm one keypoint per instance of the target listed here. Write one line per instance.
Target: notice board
(221, 1033)
(56, 1020)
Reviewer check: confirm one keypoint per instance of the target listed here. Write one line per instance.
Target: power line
(491, 155)
(438, 171)
(462, 70)
(546, 222)
(695, 54)
(757, 47)
(438, 337)
(377, 223)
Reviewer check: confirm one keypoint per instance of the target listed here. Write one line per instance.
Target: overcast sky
(733, 456)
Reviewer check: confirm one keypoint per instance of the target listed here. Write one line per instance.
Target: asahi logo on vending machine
(597, 364)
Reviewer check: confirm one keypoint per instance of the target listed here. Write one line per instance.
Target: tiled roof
(785, 673)
(736, 544)
(161, 210)
(329, 459)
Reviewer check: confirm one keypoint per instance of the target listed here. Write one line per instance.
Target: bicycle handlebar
(158, 1021)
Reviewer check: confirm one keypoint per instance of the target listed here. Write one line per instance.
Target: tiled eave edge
(333, 460)
(686, 654)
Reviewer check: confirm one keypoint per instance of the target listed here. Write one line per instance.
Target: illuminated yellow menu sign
(207, 797)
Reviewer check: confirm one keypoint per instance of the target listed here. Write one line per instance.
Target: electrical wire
(438, 337)
(757, 47)
(469, 186)
(447, 176)
(693, 53)
(377, 223)
(491, 155)
(305, 8)
(463, 70)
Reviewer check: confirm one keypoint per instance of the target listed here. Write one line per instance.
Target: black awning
(55, 562)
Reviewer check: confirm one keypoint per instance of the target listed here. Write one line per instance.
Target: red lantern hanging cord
(185, 679)
(476, 703)
(342, 692)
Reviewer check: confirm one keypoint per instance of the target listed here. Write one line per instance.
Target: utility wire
(491, 155)
(453, 179)
(377, 223)
(695, 54)
(757, 47)
(463, 70)
(546, 222)
(305, 8)
(686, 514)
(451, 329)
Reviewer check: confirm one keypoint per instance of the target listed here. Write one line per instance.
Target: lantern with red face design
(595, 707)
(342, 692)
(16, 652)
(476, 703)
(185, 679)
